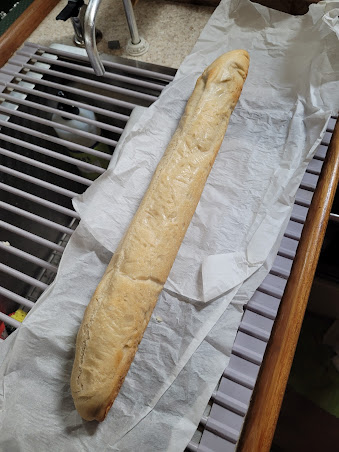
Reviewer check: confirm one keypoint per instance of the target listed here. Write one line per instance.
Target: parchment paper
(291, 90)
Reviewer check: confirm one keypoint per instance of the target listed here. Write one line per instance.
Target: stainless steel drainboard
(39, 178)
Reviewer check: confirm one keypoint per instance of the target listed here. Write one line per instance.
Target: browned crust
(120, 309)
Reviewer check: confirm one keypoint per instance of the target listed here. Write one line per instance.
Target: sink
(44, 72)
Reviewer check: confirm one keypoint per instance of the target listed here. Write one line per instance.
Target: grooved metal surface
(223, 426)
(41, 170)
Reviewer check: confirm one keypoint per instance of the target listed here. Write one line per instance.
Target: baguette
(120, 309)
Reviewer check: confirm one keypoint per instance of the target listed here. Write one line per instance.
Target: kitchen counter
(170, 28)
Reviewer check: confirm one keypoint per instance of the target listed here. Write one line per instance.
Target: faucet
(75, 10)
(83, 19)
(89, 36)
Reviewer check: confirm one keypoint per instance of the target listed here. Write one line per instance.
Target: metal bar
(28, 257)
(256, 332)
(281, 267)
(331, 124)
(37, 218)
(90, 38)
(52, 139)
(321, 152)
(7, 319)
(108, 64)
(56, 125)
(30, 236)
(297, 215)
(86, 81)
(247, 354)
(41, 107)
(36, 181)
(69, 89)
(89, 70)
(77, 23)
(261, 308)
(309, 181)
(326, 138)
(55, 257)
(56, 155)
(288, 248)
(203, 421)
(15, 297)
(43, 202)
(314, 167)
(226, 401)
(100, 111)
(22, 276)
(334, 217)
(273, 285)
(192, 447)
(131, 22)
(46, 167)
(238, 377)
(263, 413)
(293, 230)
(304, 197)
(222, 430)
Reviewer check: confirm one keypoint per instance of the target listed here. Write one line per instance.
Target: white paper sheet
(291, 90)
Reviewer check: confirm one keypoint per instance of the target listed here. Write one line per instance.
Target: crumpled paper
(291, 90)
(236, 221)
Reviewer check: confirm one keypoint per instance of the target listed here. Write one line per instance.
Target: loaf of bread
(120, 309)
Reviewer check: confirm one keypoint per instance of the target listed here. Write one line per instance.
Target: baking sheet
(291, 90)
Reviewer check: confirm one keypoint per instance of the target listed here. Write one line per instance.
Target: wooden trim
(23, 27)
(260, 423)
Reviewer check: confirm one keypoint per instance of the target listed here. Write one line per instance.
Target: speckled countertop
(170, 28)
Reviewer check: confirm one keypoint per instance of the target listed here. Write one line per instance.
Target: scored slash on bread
(120, 309)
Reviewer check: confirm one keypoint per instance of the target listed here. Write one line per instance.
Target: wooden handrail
(22, 28)
(260, 423)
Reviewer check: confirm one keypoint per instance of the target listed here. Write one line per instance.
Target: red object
(2, 328)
